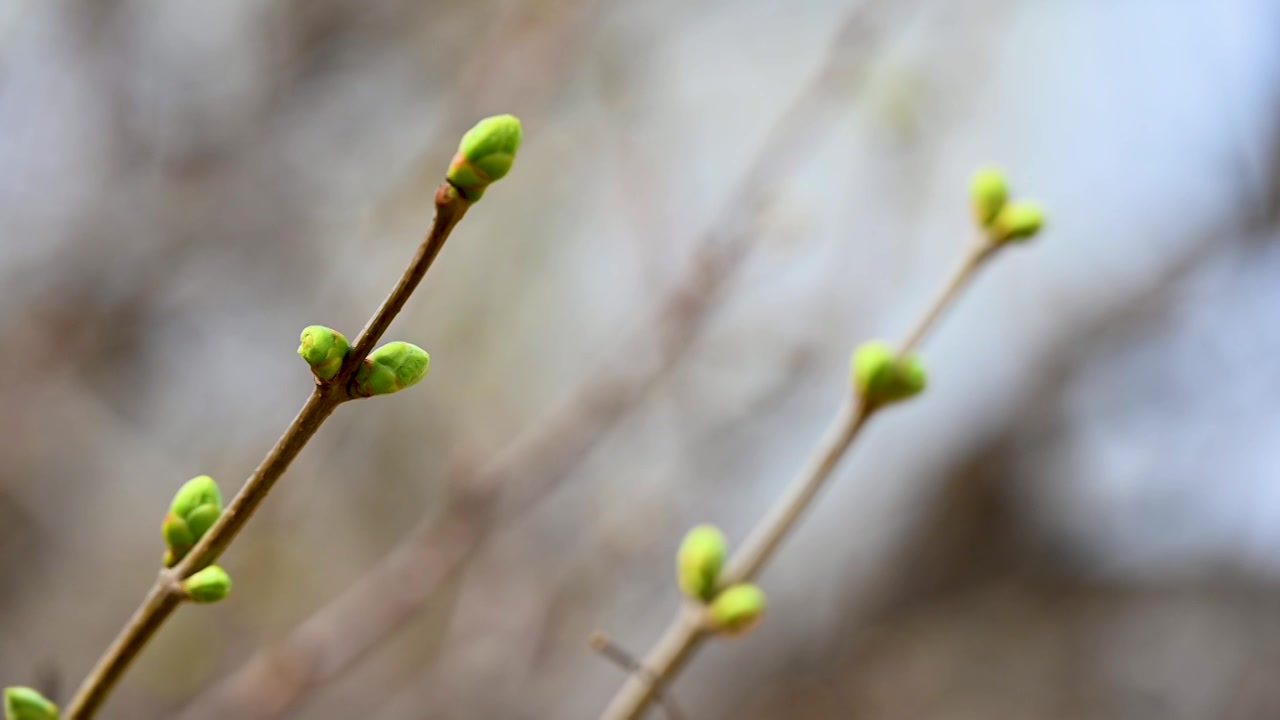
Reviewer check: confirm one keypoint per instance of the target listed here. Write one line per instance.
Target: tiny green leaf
(194, 493)
(394, 366)
(177, 535)
(323, 348)
(699, 560)
(208, 586)
(23, 703)
(485, 155)
(988, 193)
(881, 377)
(201, 519)
(737, 609)
(1017, 221)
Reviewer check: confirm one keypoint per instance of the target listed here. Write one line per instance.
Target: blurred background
(646, 326)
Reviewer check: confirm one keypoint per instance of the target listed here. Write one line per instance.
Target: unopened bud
(394, 366)
(699, 561)
(736, 610)
(880, 376)
(484, 155)
(207, 586)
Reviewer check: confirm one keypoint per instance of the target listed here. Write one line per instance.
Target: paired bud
(988, 192)
(736, 610)
(207, 586)
(23, 703)
(392, 367)
(1002, 220)
(880, 376)
(1017, 221)
(484, 155)
(699, 561)
(195, 508)
(324, 349)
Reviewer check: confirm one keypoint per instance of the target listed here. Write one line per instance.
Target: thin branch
(687, 631)
(537, 461)
(614, 653)
(981, 250)
(164, 596)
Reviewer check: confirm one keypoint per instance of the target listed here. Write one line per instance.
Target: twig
(164, 596)
(611, 651)
(687, 631)
(530, 467)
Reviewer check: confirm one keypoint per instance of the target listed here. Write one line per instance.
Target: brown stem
(685, 633)
(620, 657)
(978, 253)
(165, 595)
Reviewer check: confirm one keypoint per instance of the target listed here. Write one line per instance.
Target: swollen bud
(195, 508)
(394, 366)
(988, 193)
(699, 561)
(736, 610)
(323, 348)
(881, 377)
(23, 703)
(194, 493)
(484, 155)
(207, 586)
(1017, 221)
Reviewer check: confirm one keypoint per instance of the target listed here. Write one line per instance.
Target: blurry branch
(388, 595)
(615, 654)
(720, 603)
(342, 374)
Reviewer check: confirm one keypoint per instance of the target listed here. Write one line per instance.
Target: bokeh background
(646, 326)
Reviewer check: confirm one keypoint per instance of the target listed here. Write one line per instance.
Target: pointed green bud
(1017, 221)
(169, 559)
(699, 561)
(394, 366)
(736, 610)
(194, 493)
(177, 535)
(23, 703)
(208, 586)
(201, 519)
(988, 192)
(881, 377)
(323, 348)
(484, 155)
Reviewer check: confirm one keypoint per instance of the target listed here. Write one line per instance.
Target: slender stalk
(165, 595)
(687, 631)
(620, 657)
(978, 253)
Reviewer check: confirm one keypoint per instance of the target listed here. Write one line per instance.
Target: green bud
(484, 155)
(394, 366)
(194, 493)
(881, 377)
(177, 535)
(23, 703)
(988, 192)
(323, 348)
(208, 586)
(1017, 221)
(736, 610)
(201, 519)
(699, 561)
(169, 559)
